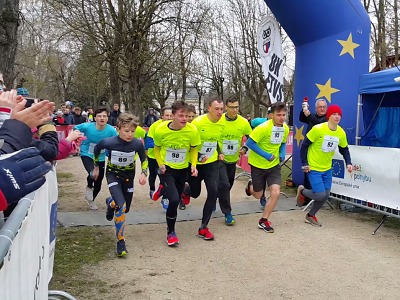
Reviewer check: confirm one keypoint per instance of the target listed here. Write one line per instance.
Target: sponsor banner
(269, 44)
(28, 265)
(375, 177)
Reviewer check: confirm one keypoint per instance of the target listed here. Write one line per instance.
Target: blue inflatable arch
(332, 51)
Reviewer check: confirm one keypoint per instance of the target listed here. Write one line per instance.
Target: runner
(316, 154)
(175, 145)
(267, 143)
(94, 132)
(166, 114)
(122, 152)
(190, 117)
(230, 144)
(210, 127)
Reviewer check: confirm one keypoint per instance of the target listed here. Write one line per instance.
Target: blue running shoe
(229, 220)
(165, 203)
(263, 201)
(151, 194)
(110, 210)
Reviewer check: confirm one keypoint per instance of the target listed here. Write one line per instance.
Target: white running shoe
(92, 205)
(89, 194)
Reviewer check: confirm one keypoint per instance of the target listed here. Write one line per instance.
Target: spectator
(78, 117)
(248, 118)
(116, 112)
(68, 118)
(84, 115)
(150, 118)
(58, 119)
(90, 115)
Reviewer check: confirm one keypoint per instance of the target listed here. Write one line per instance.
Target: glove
(21, 173)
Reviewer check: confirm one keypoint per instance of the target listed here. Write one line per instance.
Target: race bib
(230, 147)
(208, 148)
(277, 135)
(175, 155)
(330, 143)
(91, 148)
(122, 159)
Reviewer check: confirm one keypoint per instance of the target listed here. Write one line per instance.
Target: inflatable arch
(332, 51)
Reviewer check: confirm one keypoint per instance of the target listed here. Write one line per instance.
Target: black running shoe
(182, 205)
(121, 249)
(266, 226)
(110, 210)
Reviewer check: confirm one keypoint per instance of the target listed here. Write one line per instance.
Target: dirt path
(341, 260)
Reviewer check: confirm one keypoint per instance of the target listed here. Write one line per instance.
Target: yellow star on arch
(299, 135)
(348, 46)
(326, 90)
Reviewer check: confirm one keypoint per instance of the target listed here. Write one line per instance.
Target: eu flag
(338, 168)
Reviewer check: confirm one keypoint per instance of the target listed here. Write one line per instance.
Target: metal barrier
(60, 295)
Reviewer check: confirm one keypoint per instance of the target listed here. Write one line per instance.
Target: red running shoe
(157, 194)
(172, 239)
(185, 198)
(205, 234)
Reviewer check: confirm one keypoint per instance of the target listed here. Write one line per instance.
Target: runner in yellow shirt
(175, 145)
(166, 114)
(230, 145)
(210, 127)
(267, 143)
(316, 154)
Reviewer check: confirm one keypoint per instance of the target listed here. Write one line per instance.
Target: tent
(378, 123)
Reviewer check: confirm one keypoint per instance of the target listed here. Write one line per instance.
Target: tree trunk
(114, 81)
(9, 22)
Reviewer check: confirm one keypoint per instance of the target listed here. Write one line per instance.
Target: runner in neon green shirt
(210, 127)
(267, 143)
(166, 114)
(230, 144)
(316, 154)
(175, 145)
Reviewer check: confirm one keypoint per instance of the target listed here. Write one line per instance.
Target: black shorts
(261, 176)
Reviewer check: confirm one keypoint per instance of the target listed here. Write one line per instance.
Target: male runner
(175, 145)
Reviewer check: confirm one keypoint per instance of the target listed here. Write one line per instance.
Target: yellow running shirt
(210, 133)
(231, 138)
(175, 144)
(324, 143)
(152, 129)
(269, 138)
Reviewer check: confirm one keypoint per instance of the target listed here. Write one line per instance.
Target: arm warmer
(282, 151)
(254, 147)
(303, 151)
(346, 154)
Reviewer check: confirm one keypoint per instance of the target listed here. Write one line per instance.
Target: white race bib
(91, 148)
(122, 159)
(175, 155)
(277, 135)
(330, 143)
(230, 147)
(208, 148)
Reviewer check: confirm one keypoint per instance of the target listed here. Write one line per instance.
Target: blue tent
(380, 99)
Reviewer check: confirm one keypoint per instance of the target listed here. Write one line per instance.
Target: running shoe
(92, 205)
(205, 234)
(110, 210)
(151, 194)
(247, 189)
(157, 194)
(263, 201)
(89, 194)
(312, 220)
(185, 198)
(172, 239)
(165, 203)
(266, 226)
(182, 205)
(229, 220)
(299, 197)
(121, 248)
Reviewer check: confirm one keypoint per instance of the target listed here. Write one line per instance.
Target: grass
(75, 249)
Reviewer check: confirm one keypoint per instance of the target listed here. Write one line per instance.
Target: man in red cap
(316, 157)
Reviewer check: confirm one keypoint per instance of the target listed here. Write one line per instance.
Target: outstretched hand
(33, 116)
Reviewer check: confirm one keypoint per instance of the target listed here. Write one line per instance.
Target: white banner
(28, 267)
(269, 44)
(375, 177)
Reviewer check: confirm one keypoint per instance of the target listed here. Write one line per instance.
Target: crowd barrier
(243, 162)
(27, 244)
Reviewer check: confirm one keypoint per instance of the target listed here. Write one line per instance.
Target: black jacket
(311, 120)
